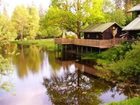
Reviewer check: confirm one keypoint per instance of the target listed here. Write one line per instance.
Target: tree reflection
(33, 58)
(28, 59)
(74, 89)
(52, 61)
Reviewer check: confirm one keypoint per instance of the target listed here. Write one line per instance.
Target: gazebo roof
(133, 26)
(99, 28)
(135, 8)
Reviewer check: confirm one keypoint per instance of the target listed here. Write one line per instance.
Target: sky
(11, 4)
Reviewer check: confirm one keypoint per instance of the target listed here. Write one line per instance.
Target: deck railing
(90, 42)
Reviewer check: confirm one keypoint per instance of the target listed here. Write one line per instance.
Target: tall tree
(119, 4)
(119, 16)
(33, 22)
(75, 14)
(7, 31)
(26, 21)
(20, 19)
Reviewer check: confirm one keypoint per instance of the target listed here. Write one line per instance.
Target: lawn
(133, 101)
(49, 43)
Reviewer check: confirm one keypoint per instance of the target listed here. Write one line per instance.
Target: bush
(71, 36)
(129, 66)
(133, 101)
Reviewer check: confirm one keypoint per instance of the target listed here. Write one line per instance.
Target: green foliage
(133, 101)
(49, 43)
(71, 16)
(95, 12)
(134, 2)
(4, 65)
(50, 32)
(129, 66)
(7, 31)
(33, 22)
(6, 86)
(112, 54)
(123, 60)
(119, 16)
(90, 56)
(26, 21)
(20, 19)
(54, 22)
(116, 53)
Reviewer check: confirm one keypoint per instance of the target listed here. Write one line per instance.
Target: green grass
(133, 101)
(49, 43)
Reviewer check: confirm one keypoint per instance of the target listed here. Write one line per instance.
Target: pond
(38, 78)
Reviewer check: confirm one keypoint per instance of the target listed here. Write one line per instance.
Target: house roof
(99, 27)
(133, 26)
(135, 8)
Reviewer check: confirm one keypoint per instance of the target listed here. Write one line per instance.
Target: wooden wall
(105, 35)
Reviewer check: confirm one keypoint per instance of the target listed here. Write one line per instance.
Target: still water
(37, 78)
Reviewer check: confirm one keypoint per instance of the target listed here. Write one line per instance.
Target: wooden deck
(90, 42)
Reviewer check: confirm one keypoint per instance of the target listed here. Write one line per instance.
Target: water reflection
(77, 88)
(65, 82)
(52, 60)
(29, 58)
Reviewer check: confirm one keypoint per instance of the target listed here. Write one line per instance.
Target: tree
(119, 16)
(73, 15)
(7, 31)
(26, 21)
(33, 22)
(20, 19)
(51, 21)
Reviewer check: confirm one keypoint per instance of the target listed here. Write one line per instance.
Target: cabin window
(88, 36)
(97, 36)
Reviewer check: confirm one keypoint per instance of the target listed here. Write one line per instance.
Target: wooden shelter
(96, 38)
(133, 28)
(135, 10)
(100, 36)
(103, 31)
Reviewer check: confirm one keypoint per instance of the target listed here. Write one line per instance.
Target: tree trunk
(78, 29)
(78, 19)
(21, 35)
(128, 5)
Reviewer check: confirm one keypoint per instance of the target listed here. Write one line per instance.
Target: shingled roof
(135, 8)
(134, 25)
(99, 27)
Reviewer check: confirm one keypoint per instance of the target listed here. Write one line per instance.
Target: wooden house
(103, 31)
(135, 10)
(98, 37)
(133, 28)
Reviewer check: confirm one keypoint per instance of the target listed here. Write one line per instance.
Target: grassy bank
(49, 43)
(133, 101)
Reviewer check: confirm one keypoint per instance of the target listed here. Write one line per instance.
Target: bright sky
(11, 4)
